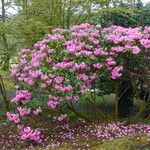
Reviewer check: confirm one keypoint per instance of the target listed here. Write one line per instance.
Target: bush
(70, 64)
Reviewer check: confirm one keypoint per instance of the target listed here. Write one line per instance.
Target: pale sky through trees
(145, 1)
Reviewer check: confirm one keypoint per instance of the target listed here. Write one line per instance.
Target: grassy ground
(127, 143)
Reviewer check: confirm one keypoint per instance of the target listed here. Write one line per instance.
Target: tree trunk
(125, 95)
(4, 38)
(3, 92)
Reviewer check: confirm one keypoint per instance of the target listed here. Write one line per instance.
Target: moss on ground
(140, 142)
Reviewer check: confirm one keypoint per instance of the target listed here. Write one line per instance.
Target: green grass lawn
(126, 143)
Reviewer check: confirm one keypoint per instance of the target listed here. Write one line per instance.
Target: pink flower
(98, 65)
(117, 49)
(22, 95)
(23, 111)
(52, 104)
(25, 50)
(62, 117)
(43, 86)
(110, 61)
(68, 88)
(13, 117)
(115, 73)
(57, 30)
(135, 50)
(59, 79)
(44, 41)
(28, 134)
(20, 127)
(49, 60)
(50, 51)
(93, 76)
(17, 86)
(44, 77)
(82, 77)
(36, 64)
(37, 111)
(27, 130)
(31, 82)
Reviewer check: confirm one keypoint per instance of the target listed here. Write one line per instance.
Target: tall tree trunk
(125, 95)
(69, 14)
(3, 93)
(7, 58)
(4, 38)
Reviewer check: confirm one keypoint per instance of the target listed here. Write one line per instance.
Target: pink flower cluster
(72, 97)
(63, 65)
(119, 34)
(23, 111)
(61, 117)
(57, 30)
(28, 134)
(52, 104)
(59, 80)
(125, 37)
(13, 117)
(63, 89)
(56, 37)
(22, 96)
(37, 111)
(116, 72)
(97, 65)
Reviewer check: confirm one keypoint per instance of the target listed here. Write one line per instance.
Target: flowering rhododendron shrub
(68, 64)
(129, 46)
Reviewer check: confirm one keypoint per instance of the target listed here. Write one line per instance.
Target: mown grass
(126, 143)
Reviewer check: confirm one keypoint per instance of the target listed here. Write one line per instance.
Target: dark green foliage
(139, 16)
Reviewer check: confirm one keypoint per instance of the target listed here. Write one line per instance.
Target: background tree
(33, 22)
(4, 41)
(137, 16)
(7, 38)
